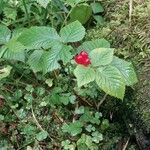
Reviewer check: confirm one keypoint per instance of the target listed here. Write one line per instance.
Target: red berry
(82, 58)
(84, 54)
(79, 59)
(87, 62)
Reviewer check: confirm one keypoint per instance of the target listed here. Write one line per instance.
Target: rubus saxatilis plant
(43, 47)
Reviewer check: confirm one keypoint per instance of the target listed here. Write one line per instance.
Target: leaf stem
(65, 21)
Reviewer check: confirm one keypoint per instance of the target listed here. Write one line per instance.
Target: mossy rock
(142, 99)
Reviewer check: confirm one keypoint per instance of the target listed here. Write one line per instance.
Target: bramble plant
(42, 48)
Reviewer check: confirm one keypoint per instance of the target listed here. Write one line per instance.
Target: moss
(142, 98)
(129, 38)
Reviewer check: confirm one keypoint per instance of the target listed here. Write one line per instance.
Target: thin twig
(40, 127)
(125, 146)
(36, 121)
(83, 99)
(130, 10)
(101, 101)
(66, 18)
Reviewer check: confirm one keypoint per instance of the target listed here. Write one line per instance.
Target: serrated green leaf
(58, 52)
(5, 72)
(15, 50)
(43, 3)
(126, 69)
(110, 80)
(91, 45)
(37, 60)
(5, 34)
(65, 54)
(101, 56)
(97, 8)
(51, 61)
(37, 37)
(72, 32)
(83, 9)
(84, 75)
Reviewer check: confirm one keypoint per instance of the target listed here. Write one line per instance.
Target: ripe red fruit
(82, 58)
(84, 54)
(79, 59)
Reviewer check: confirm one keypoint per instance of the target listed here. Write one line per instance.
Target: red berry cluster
(82, 58)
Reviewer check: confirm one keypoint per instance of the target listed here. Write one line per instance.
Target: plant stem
(102, 100)
(51, 17)
(35, 120)
(26, 10)
(45, 15)
(65, 21)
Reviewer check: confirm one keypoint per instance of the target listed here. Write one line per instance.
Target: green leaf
(15, 50)
(72, 3)
(97, 137)
(83, 9)
(91, 45)
(79, 110)
(10, 13)
(2, 5)
(58, 52)
(5, 34)
(5, 72)
(101, 56)
(46, 61)
(84, 75)
(73, 32)
(88, 117)
(97, 8)
(110, 80)
(90, 128)
(65, 53)
(37, 37)
(99, 19)
(105, 124)
(67, 145)
(41, 135)
(73, 128)
(85, 143)
(126, 69)
(43, 3)
(37, 60)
